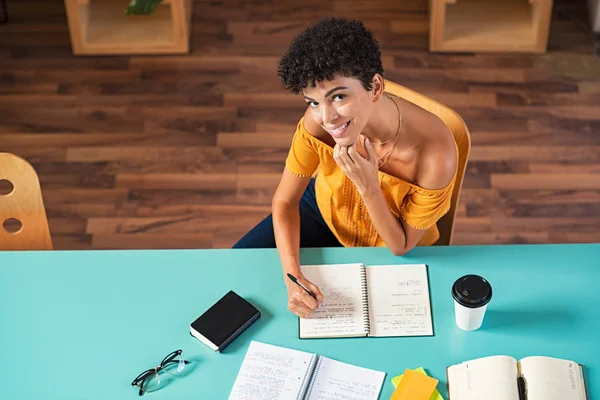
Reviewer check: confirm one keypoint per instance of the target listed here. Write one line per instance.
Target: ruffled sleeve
(422, 208)
(303, 158)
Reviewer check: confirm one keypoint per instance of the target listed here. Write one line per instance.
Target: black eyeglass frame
(149, 373)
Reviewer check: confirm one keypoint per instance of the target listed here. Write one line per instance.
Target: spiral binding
(311, 380)
(365, 299)
(307, 379)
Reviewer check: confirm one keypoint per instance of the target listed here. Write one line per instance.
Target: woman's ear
(378, 87)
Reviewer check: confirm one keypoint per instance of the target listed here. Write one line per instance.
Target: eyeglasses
(149, 380)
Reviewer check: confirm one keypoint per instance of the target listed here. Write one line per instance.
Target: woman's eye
(312, 104)
(339, 96)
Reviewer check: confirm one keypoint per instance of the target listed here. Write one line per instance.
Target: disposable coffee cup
(471, 294)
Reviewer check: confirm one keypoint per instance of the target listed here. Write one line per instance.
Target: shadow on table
(535, 320)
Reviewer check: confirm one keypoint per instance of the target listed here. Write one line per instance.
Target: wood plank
(420, 59)
(464, 99)
(68, 63)
(37, 100)
(152, 241)
(574, 237)
(7, 88)
(527, 202)
(567, 113)
(418, 24)
(589, 87)
(378, 8)
(177, 181)
(228, 198)
(575, 168)
(187, 224)
(258, 155)
(80, 210)
(476, 167)
(236, 10)
(535, 137)
(492, 119)
(267, 33)
(545, 224)
(50, 139)
(261, 196)
(71, 242)
(538, 86)
(67, 226)
(227, 140)
(257, 181)
(38, 154)
(200, 154)
(76, 119)
(275, 127)
(545, 181)
(581, 129)
(480, 238)
(470, 76)
(472, 224)
(187, 63)
(58, 196)
(530, 98)
(536, 153)
(546, 197)
(261, 100)
(111, 100)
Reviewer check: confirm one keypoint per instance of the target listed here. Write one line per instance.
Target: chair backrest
(23, 206)
(461, 134)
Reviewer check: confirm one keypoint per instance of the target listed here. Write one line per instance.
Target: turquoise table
(82, 325)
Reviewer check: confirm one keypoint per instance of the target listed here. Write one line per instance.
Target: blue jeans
(314, 232)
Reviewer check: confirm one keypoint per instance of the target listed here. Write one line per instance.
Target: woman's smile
(338, 131)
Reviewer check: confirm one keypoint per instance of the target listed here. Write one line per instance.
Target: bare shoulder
(438, 157)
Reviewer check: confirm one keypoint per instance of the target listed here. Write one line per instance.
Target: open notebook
(278, 373)
(495, 378)
(376, 300)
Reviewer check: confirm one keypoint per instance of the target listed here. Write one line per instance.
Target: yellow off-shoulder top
(342, 207)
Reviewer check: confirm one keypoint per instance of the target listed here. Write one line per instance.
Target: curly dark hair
(331, 46)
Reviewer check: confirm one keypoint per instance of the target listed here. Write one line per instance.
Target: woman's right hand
(301, 303)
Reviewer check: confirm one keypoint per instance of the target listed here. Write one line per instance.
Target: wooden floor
(185, 151)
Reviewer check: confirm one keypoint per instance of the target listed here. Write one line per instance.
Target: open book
(377, 300)
(273, 372)
(495, 378)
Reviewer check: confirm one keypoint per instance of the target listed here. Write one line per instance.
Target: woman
(386, 168)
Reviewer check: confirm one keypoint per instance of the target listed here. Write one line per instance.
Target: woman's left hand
(361, 171)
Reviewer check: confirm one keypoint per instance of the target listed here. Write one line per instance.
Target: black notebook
(224, 321)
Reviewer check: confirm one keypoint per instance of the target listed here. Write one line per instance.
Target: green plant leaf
(142, 7)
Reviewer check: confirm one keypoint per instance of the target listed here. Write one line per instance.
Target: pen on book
(521, 384)
(293, 279)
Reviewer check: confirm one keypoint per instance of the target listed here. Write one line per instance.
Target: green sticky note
(434, 396)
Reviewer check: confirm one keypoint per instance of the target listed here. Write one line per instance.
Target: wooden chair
(459, 129)
(23, 203)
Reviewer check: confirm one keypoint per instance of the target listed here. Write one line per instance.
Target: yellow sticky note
(414, 386)
(434, 396)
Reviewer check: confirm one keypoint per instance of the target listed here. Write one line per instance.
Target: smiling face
(341, 106)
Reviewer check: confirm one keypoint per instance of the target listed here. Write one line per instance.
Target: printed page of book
(548, 378)
(272, 372)
(335, 380)
(489, 378)
(399, 303)
(341, 313)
